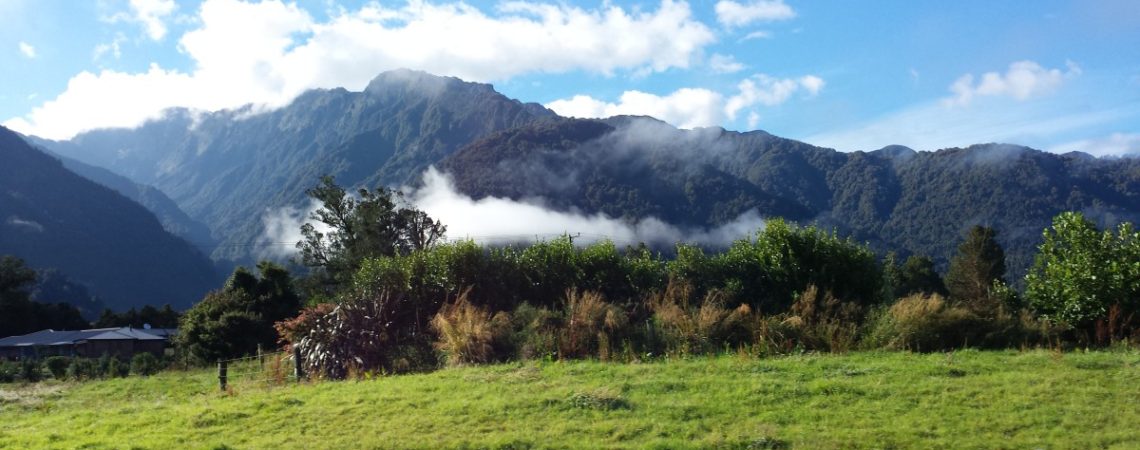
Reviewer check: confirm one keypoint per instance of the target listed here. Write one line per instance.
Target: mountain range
(227, 169)
(55, 219)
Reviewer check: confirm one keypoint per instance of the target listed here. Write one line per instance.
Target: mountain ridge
(227, 172)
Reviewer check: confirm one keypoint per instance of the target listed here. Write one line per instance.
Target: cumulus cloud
(1115, 144)
(769, 91)
(1023, 79)
(27, 50)
(151, 15)
(736, 14)
(724, 64)
(269, 51)
(684, 108)
(694, 107)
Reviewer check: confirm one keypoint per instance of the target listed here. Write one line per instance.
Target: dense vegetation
(19, 314)
(967, 399)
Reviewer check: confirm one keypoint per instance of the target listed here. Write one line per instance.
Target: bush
(820, 321)
(145, 364)
(535, 332)
(468, 334)
(590, 325)
(30, 370)
(924, 323)
(355, 336)
(57, 366)
(9, 371)
(81, 369)
(702, 329)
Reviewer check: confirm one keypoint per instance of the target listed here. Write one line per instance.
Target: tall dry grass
(701, 328)
(468, 334)
(591, 325)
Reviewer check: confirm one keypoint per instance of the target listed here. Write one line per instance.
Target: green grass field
(969, 399)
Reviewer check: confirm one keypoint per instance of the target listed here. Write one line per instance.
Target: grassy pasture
(966, 399)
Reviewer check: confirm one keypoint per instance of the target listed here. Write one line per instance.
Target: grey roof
(52, 337)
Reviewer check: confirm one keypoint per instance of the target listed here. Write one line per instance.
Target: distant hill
(53, 218)
(894, 198)
(225, 169)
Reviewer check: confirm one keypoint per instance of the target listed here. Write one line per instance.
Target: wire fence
(262, 371)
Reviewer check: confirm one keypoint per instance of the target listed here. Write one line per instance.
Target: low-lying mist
(494, 220)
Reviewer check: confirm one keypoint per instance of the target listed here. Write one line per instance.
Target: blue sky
(1054, 75)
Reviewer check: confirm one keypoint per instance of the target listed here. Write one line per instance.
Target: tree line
(385, 293)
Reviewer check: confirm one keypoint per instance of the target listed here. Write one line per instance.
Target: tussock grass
(964, 399)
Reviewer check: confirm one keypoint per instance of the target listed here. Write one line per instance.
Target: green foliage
(166, 317)
(57, 366)
(1081, 273)
(145, 364)
(19, 314)
(769, 272)
(979, 263)
(378, 223)
(233, 321)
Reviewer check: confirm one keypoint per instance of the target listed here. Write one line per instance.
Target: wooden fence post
(222, 374)
(298, 370)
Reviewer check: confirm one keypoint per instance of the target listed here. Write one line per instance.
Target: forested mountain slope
(53, 218)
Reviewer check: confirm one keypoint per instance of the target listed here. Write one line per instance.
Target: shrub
(57, 366)
(700, 329)
(145, 364)
(590, 325)
(30, 370)
(468, 334)
(9, 371)
(924, 323)
(535, 332)
(820, 321)
(356, 335)
(81, 369)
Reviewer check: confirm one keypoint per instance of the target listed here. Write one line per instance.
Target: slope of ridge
(53, 218)
(226, 169)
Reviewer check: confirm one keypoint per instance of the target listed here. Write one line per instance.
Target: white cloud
(1023, 79)
(150, 14)
(693, 107)
(268, 52)
(932, 126)
(684, 108)
(769, 91)
(735, 14)
(27, 50)
(724, 63)
(760, 34)
(1116, 144)
(493, 220)
(112, 48)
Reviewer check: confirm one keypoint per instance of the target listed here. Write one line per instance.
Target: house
(121, 342)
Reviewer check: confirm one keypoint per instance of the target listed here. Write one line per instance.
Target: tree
(234, 320)
(917, 275)
(350, 229)
(1080, 273)
(979, 263)
(19, 314)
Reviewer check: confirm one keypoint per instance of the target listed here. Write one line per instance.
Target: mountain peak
(419, 81)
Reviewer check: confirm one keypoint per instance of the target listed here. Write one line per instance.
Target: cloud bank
(494, 220)
(694, 107)
(267, 52)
